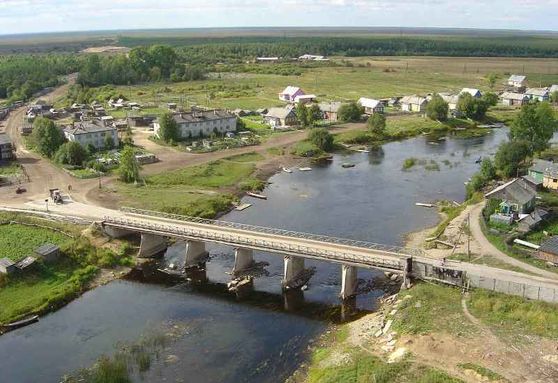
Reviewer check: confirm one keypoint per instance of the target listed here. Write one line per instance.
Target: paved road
(488, 248)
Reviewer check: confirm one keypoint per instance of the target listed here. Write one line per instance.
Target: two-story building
(290, 93)
(202, 123)
(6, 148)
(91, 132)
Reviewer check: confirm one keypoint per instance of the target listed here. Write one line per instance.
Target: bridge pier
(151, 245)
(293, 266)
(243, 260)
(407, 268)
(195, 253)
(349, 281)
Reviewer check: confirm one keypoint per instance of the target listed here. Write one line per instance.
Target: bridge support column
(293, 266)
(151, 245)
(115, 232)
(243, 260)
(407, 268)
(348, 281)
(195, 253)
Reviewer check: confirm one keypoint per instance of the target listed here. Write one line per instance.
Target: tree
(350, 112)
(487, 170)
(510, 156)
(554, 97)
(47, 136)
(491, 78)
(129, 168)
(534, 124)
(71, 153)
(128, 138)
(437, 109)
(490, 98)
(168, 128)
(377, 125)
(302, 114)
(321, 138)
(108, 141)
(314, 114)
(471, 107)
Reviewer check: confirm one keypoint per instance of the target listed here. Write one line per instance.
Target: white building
(517, 81)
(371, 106)
(451, 100)
(413, 103)
(91, 132)
(540, 94)
(472, 91)
(202, 123)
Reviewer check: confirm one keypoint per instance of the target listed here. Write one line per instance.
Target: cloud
(20, 16)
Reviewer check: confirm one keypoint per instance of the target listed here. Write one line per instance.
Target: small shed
(26, 263)
(549, 250)
(48, 252)
(7, 266)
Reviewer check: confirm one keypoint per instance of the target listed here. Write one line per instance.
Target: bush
(321, 138)
(71, 153)
(377, 125)
(437, 109)
(350, 112)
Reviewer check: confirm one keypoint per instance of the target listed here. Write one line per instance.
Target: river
(263, 338)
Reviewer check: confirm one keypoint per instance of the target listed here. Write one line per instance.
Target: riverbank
(86, 261)
(433, 333)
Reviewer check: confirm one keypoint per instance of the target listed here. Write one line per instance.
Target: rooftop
(513, 96)
(517, 78)
(414, 99)
(368, 102)
(86, 127)
(290, 90)
(278, 112)
(47, 248)
(550, 245)
(537, 91)
(201, 115)
(332, 107)
(6, 262)
(5, 139)
(517, 190)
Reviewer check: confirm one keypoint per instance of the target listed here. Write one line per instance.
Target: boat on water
(243, 206)
(287, 170)
(20, 323)
(424, 204)
(256, 195)
(363, 150)
(348, 165)
(305, 169)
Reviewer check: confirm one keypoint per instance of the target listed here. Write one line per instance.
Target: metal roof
(414, 99)
(281, 113)
(368, 102)
(290, 90)
(202, 115)
(514, 96)
(517, 190)
(517, 78)
(550, 245)
(46, 249)
(5, 139)
(537, 92)
(6, 262)
(87, 127)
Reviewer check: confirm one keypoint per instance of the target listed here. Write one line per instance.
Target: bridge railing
(391, 262)
(393, 250)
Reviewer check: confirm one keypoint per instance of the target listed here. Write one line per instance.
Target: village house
(290, 93)
(140, 121)
(413, 103)
(91, 132)
(280, 118)
(517, 197)
(517, 81)
(371, 106)
(307, 57)
(451, 100)
(330, 110)
(473, 92)
(538, 94)
(548, 251)
(6, 148)
(202, 123)
(514, 99)
(545, 172)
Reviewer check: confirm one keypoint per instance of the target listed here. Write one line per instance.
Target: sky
(31, 16)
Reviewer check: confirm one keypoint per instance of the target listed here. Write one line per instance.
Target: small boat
(424, 204)
(363, 150)
(305, 169)
(348, 165)
(21, 323)
(478, 161)
(256, 195)
(287, 170)
(243, 206)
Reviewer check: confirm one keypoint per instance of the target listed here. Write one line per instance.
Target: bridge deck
(358, 253)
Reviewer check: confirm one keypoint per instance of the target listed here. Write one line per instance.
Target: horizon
(21, 17)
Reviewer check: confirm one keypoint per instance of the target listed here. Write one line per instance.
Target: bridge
(157, 228)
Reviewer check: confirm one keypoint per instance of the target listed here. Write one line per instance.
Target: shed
(48, 252)
(26, 263)
(549, 250)
(7, 266)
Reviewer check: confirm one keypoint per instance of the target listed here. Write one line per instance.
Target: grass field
(203, 190)
(18, 241)
(376, 77)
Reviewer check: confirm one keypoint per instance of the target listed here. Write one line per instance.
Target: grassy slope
(203, 190)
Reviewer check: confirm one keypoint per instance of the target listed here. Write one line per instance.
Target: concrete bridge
(157, 228)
